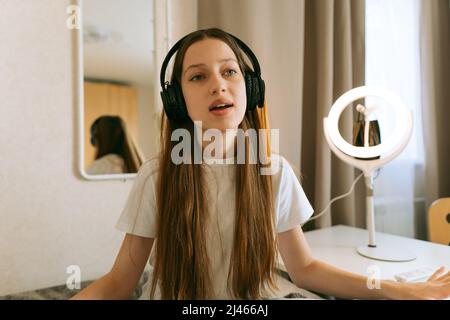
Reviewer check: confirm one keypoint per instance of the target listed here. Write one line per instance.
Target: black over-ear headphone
(93, 131)
(172, 96)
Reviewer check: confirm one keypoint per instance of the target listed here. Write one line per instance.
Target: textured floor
(52, 293)
(63, 293)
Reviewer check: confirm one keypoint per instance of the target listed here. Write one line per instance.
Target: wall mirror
(116, 52)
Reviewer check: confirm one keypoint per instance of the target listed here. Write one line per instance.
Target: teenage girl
(214, 230)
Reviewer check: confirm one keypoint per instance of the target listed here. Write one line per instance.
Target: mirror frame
(80, 93)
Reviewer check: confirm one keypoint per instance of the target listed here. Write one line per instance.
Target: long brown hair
(182, 264)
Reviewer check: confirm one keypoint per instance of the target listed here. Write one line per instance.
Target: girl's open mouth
(221, 110)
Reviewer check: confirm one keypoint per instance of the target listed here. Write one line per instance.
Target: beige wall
(50, 218)
(148, 132)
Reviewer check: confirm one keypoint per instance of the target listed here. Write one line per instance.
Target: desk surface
(337, 246)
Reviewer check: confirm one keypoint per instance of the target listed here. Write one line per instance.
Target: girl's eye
(231, 70)
(194, 78)
(197, 77)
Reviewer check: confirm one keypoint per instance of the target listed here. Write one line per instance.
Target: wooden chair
(439, 221)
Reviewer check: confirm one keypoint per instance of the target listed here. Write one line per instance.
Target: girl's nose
(217, 86)
(214, 91)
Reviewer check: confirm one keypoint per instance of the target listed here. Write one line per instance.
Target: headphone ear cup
(249, 90)
(181, 113)
(173, 102)
(166, 100)
(92, 132)
(262, 92)
(255, 89)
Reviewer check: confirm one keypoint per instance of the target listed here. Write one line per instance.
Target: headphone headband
(177, 45)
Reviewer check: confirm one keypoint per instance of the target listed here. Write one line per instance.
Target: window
(393, 62)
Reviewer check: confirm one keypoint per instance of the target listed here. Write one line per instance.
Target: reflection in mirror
(115, 150)
(118, 72)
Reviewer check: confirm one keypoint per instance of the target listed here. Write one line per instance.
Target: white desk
(337, 245)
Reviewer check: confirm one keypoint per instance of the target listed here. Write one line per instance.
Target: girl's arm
(124, 276)
(311, 274)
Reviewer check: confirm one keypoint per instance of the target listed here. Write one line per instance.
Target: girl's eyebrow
(202, 64)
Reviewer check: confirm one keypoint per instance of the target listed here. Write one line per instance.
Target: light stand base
(386, 253)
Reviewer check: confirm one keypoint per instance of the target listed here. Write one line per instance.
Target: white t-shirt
(291, 206)
(108, 164)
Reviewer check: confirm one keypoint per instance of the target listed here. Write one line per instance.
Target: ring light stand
(390, 148)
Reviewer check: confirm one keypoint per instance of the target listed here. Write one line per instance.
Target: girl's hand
(436, 287)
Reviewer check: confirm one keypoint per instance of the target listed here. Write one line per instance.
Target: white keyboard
(416, 275)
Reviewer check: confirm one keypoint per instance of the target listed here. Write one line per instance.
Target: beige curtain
(274, 30)
(334, 63)
(435, 65)
(311, 52)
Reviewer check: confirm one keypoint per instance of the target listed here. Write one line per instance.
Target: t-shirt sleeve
(292, 205)
(139, 214)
